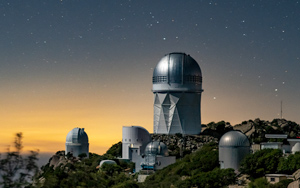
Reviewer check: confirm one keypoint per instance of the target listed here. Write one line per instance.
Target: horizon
(44, 156)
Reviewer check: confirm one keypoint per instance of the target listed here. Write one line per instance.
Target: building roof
(107, 162)
(293, 140)
(156, 148)
(279, 175)
(271, 143)
(177, 71)
(77, 136)
(276, 136)
(234, 139)
(136, 127)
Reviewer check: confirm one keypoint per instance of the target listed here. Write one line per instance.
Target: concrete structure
(292, 147)
(77, 142)
(271, 145)
(233, 147)
(138, 148)
(134, 139)
(255, 147)
(177, 88)
(275, 178)
(276, 145)
(156, 156)
(278, 136)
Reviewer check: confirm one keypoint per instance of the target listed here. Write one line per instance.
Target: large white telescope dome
(177, 72)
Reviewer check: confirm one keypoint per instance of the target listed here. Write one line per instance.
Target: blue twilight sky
(89, 63)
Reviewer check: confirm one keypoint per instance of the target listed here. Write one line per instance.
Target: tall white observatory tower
(177, 88)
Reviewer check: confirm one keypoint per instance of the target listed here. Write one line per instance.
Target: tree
(261, 162)
(202, 164)
(290, 164)
(259, 183)
(263, 183)
(215, 178)
(15, 170)
(115, 150)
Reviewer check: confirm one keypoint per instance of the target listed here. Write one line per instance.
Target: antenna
(281, 109)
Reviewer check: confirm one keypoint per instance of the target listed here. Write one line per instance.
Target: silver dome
(177, 72)
(77, 135)
(234, 139)
(296, 148)
(156, 148)
(109, 162)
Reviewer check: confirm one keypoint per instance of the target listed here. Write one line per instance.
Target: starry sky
(66, 64)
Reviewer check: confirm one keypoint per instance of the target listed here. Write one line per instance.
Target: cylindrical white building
(177, 88)
(77, 142)
(134, 137)
(233, 147)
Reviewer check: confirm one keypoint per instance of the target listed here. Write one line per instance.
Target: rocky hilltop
(256, 130)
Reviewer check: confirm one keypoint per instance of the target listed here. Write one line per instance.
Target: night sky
(67, 64)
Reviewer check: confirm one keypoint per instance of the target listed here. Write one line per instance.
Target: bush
(261, 162)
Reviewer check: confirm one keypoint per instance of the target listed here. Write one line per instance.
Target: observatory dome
(77, 135)
(156, 148)
(109, 162)
(177, 72)
(233, 147)
(296, 148)
(234, 139)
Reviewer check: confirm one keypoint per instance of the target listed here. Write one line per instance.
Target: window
(193, 79)
(272, 179)
(156, 79)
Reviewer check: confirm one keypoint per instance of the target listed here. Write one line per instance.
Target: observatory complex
(138, 147)
(77, 142)
(177, 88)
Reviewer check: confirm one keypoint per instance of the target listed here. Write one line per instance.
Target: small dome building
(109, 162)
(156, 156)
(156, 148)
(233, 147)
(296, 148)
(77, 142)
